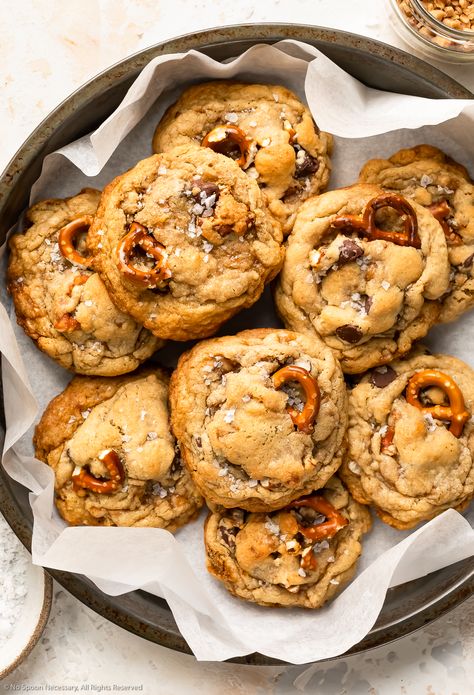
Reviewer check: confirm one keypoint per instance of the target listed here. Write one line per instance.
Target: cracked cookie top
(268, 129)
(412, 458)
(428, 176)
(297, 556)
(238, 423)
(142, 482)
(64, 306)
(361, 271)
(183, 241)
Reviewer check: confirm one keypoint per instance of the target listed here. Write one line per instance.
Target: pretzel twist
(224, 138)
(303, 420)
(366, 225)
(111, 460)
(441, 211)
(67, 237)
(328, 529)
(138, 236)
(455, 413)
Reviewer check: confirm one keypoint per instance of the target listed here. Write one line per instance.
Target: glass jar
(415, 25)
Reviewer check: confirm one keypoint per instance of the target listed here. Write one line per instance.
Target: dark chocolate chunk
(468, 262)
(305, 166)
(349, 251)
(228, 536)
(204, 189)
(348, 333)
(383, 376)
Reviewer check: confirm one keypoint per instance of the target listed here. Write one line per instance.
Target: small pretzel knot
(366, 225)
(139, 237)
(67, 236)
(328, 529)
(442, 211)
(111, 460)
(303, 420)
(226, 139)
(455, 413)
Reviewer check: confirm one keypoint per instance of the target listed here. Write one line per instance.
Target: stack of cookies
(263, 426)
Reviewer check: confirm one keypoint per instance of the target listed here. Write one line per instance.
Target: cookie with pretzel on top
(61, 303)
(362, 272)
(411, 439)
(183, 241)
(301, 555)
(265, 128)
(115, 460)
(260, 417)
(428, 176)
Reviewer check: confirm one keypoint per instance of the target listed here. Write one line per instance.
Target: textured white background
(47, 49)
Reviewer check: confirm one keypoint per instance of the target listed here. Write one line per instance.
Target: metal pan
(407, 607)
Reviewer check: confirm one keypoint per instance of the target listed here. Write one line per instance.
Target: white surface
(46, 53)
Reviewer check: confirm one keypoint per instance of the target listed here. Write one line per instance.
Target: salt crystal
(162, 170)
(386, 285)
(253, 124)
(229, 416)
(207, 246)
(252, 482)
(85, 413)
(430, 422)
(301, 572)
(266, 142)
(334, 581)
(276, 97)
(151, 436)
(354, 467)
(197, 209)
(88, 302)
(246, 398)
(231, 117)
(71, 420)
(272, 526)
(142, 415)
(425, 180)
(223, 472)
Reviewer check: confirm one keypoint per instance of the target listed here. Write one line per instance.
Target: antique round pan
(406, 607)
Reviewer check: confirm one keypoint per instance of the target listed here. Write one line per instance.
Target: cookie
(362, 270)
(302, 555)
(114, 458)
(402, 458)
(260, 417)
(428, 176)
(183, 241)
(264, 127)
(61, 303)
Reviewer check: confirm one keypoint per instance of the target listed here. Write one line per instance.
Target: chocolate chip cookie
(114, 458)
(183, 241)
(428, 176)
(362, 270)
(61, 303)
(265, 128)
(260, 417)
(411, 439)
(302, 555)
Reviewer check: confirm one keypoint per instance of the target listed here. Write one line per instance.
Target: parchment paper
(217, 626)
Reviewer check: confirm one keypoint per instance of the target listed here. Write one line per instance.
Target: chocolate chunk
(468, 262)
(349, 251)
(367, 303)
(383, 376)
(348, 333)
(228, 536)
(305, 165)
(200, 187)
